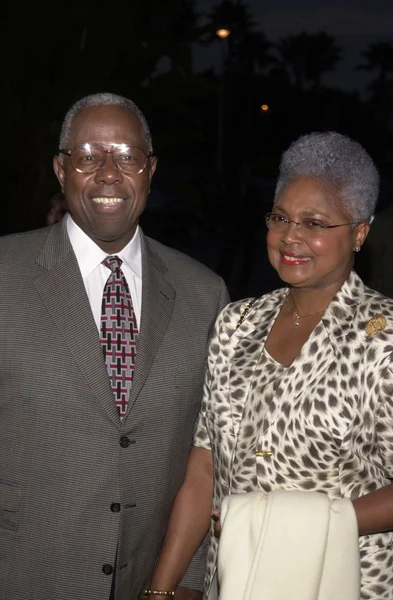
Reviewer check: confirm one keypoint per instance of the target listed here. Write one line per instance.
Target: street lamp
(222, 35)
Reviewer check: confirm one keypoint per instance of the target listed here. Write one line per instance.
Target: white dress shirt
(95, 275)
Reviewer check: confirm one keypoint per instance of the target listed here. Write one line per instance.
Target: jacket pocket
(10, 497)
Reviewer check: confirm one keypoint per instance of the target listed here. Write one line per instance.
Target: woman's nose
(293, 232)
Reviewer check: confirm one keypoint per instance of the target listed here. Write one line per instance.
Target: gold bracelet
(158, 593)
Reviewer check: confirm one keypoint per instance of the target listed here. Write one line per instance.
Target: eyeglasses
(89, 158)
(308, 227)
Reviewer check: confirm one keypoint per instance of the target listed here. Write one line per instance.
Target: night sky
(355, 23)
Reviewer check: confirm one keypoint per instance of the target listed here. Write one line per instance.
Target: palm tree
(307, 57)
(379, 57)
(180, 28)
(324, 56)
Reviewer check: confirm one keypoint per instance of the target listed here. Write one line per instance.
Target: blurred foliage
(56, 53)
(305, 57)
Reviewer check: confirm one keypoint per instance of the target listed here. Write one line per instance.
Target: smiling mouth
(295, 260)
(108, 201)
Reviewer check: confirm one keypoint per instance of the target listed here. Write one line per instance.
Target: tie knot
(112, 262)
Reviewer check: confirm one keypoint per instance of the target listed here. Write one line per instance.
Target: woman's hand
(188, 524)
(217, 523)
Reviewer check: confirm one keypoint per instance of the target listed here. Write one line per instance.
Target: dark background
(315, 67)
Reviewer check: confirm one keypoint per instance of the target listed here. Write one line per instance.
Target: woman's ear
(361, 232)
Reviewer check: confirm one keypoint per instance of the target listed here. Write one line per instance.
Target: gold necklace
(298, 317)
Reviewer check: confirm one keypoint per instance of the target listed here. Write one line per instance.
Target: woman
(299, 389)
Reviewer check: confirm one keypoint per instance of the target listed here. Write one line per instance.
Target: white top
(95, 275)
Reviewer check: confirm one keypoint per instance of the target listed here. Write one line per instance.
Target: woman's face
(302, 260)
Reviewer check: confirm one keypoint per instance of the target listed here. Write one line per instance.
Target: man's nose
(109, 171)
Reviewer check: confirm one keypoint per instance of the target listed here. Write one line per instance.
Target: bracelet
(158, 593)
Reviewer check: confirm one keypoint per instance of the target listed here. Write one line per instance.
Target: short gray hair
(338, 162)
(103, 99)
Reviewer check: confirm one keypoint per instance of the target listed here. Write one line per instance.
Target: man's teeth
(108, 201)
(296, 258)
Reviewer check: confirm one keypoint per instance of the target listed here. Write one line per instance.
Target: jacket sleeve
(201, 435)
(384, 418)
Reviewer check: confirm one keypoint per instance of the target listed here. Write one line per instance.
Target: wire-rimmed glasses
(307, 226)
(89, 158)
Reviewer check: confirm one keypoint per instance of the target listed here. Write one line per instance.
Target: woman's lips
(292, 260)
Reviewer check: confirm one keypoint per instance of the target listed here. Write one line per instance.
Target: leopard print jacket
(328, 426)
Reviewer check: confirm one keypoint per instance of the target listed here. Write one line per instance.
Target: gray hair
(103, 99)
(340, 163)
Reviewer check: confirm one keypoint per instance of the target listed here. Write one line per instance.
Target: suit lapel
(158, 298)
(63, 293)
(318, 351)
(248, 342)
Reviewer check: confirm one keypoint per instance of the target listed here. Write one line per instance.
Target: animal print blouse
(326, 423)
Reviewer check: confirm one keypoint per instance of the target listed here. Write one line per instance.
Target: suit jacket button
(125, 442)
(107, 569)
(115, 507)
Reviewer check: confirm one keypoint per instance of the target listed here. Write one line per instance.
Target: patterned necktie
(119, 333)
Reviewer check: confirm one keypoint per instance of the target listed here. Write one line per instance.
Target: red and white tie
(119, 333)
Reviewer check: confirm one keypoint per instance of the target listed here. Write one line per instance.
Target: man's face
(113, 225)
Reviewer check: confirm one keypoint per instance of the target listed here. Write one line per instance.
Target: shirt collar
(89, 255)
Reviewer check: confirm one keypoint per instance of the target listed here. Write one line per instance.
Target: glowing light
(223, 33)
(264, 107)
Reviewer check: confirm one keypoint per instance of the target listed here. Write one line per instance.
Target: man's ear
(59, 170)
(152, 166)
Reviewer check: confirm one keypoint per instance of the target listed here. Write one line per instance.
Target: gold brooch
(377, 323)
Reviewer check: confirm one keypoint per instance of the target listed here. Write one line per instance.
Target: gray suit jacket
(67, 464)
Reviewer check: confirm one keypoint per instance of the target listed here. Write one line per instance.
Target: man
(88, 471)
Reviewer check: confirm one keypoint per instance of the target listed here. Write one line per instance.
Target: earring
(357, 249)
